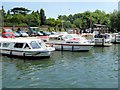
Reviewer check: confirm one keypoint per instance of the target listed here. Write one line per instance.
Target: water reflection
(58, 56)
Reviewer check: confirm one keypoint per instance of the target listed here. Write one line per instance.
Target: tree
(20, 10)
(64, 17)
(67, 24)
(36, 17)
(42, 17)
(50, 22)
(8, 12)
(18, 19)
(3, 11)
(32, 20)
(58, 23)
(1, 18)
(114, 21)
(70, 18)
(118, 21)
(78, 22)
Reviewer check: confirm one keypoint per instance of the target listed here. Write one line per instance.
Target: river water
(97, 68)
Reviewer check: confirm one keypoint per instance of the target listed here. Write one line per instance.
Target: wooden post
(11, 53)
(62, 47)
(103, 41)
(72, 48)
(115, 39)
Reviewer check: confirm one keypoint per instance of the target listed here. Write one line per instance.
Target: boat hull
(25, 54)
(102, 42)
(103, 45)
(72, 47)
(116, 42)
(116, 39)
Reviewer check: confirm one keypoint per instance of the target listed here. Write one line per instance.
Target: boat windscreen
(67, 37)
(7, 35)
(42, 44)
(18, 45)
(34, 45)
(6, 44)
(26, 46)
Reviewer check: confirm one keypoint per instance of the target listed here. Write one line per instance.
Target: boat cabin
(20, 44)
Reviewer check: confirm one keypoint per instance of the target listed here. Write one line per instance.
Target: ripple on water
(94, 69)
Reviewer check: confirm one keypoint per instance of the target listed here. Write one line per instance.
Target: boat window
(51, 38)
(118, 40)
(39, 43)
(27, 46)
(54, 38)
(34, 45)
(6, 44)
(75, 36)
(67, 37)
(117, 36)
(98, 36)
(72, 42)
(18, 45)
(59, 38)
(69, 42)
(76, 42)
(42, 44)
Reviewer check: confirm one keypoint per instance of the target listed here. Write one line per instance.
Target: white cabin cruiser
(70, 42)
(103, 40)
(25, 47)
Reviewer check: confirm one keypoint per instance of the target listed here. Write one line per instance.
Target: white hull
(72, 48)
(26, 54)
(117, 40)
(102, 42)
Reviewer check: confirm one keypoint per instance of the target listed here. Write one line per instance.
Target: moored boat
(70, 42)
(25, 47)
(103, 40)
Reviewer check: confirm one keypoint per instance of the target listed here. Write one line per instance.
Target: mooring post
(115, 39)
(72, 48)
(62, 47)
(24, 57)
(103, 41)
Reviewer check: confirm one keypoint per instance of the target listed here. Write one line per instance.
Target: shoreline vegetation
(22, 17)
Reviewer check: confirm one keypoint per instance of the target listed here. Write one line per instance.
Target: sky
(53, 9)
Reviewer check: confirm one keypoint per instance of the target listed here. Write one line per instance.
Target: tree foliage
(42, 17)
(115, 21)
(20, 10)
(22, 17)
